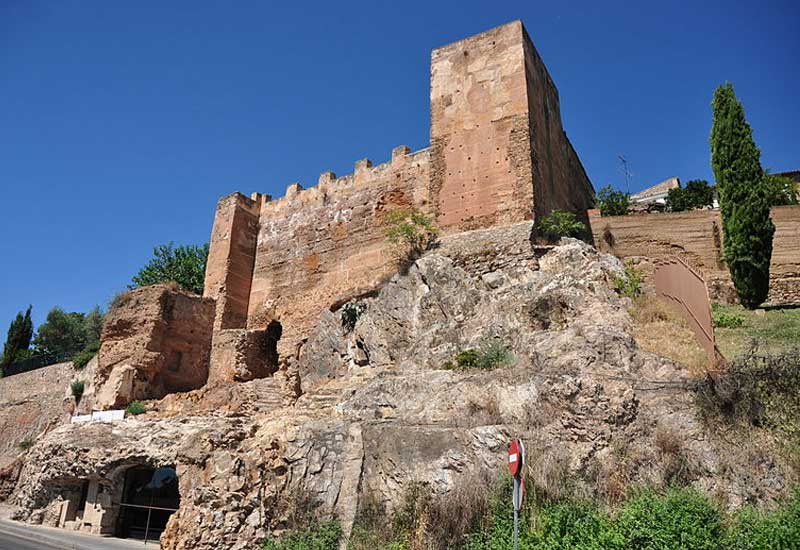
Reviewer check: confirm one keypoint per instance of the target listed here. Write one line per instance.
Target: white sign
(81, 418)
(99, 416)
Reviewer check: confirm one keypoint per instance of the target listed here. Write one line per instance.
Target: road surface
(20, 536)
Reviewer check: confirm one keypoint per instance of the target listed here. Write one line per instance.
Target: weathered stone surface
(239, 355)
(156, 340)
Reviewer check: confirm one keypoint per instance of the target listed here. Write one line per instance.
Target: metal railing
(149, 513)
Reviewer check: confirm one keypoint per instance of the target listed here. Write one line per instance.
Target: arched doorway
(150, 496)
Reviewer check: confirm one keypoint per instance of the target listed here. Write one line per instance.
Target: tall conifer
(744, 198)
(20, 332)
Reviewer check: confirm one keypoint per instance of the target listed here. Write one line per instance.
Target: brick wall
(696, 236)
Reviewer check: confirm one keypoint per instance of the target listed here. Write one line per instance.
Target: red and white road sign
(516, 457)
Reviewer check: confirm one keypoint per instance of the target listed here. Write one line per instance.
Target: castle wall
(231, 256)
(322, 246)
(559, 180)
(696, 236)
(480, 143)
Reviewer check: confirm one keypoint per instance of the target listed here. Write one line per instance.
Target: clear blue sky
(122, 123)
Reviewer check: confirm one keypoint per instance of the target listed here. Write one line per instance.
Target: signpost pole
(516, 461)
(516, 513)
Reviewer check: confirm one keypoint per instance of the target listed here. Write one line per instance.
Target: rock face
(377, 409)
(156, 341)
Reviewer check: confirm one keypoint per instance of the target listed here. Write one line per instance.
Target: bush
(727, 320)
(319, 536)
(630, 284)
(410, 229)
(77, 387)
(81, 359)
(782, 190)
(559, 224)
(777, 529)
(135, 407)
(350, 314)
(612, 202)
(490, 355)
(25, 444)
(681, 519)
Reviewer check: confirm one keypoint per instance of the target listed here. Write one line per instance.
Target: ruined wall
(696, 236)
(156, 341)
(480, 142)
(321, 246)
(29, 403)
(229, 270)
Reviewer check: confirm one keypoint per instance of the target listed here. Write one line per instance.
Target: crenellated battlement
(329, 185)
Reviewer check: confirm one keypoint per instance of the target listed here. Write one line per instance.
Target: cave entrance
(150, 496)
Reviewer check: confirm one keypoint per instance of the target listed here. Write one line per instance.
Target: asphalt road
(20, 536)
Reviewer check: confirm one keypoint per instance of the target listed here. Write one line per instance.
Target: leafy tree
(696, 194)
(559, 224)
(612, 202)
(18, 340)
(93, 324)
(782, 190)
(744, 198)
(62, 333)
(186, 265)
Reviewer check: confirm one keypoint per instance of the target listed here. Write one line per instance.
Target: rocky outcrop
(378, 409)
(156, 341)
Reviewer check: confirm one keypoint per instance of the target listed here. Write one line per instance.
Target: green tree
(559, 224)
(62, 333)
(782, 190)
(696, 194)
(186, 265)
(612, 202)
(18, 340)
(744, 198)
(93, 325)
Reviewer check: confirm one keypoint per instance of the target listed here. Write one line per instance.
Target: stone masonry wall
(696, 236)
(324, 245)
(480, 142)
(559, 180)
(29, 403)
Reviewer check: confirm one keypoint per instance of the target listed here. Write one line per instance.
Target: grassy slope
(775, 329)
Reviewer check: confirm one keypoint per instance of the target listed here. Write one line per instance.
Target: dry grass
(659, 329)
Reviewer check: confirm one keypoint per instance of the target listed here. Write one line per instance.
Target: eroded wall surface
(30, 403)
(697, 237)
(324, 245)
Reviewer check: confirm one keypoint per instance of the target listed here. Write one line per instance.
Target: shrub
(630, 284)
(559, 224)
(782, 190)
(777, 529)
(350, 314)
(317, 536)
(25, 444)
(680, 519)
(696, 194)
(490, 355)
(77, 386)
(727, 320)
(612, 202)
(135, 407)
(411, 229)
(81, 359)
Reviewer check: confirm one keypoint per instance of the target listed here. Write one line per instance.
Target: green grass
(775, 329)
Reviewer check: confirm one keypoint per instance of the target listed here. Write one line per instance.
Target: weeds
(559, 224)
(350, 314)
(25, 444)
(77, 387)
(135, 407)
(491, 355)
(630, 284)
(725, 320)
(411, 230)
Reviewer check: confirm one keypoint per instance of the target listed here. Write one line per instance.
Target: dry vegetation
(659, 329)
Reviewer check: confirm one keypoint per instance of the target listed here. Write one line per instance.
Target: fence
(684, 288)
(36, 362)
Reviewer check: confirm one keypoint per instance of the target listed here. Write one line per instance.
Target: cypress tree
(744, 198)
(20, 332)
